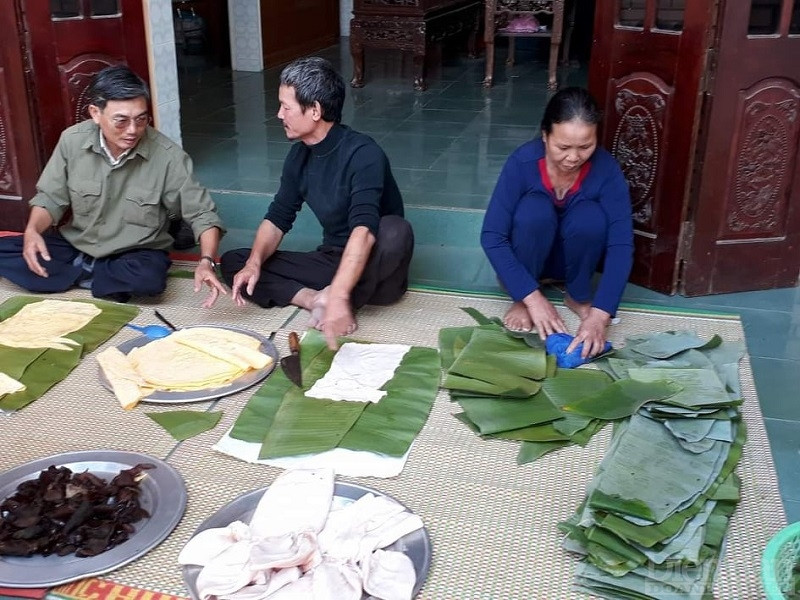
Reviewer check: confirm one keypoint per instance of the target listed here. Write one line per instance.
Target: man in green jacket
(111, 187)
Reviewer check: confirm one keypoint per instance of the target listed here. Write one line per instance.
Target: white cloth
(359, 371)
(347, 463)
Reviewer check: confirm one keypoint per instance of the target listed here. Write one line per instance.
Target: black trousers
(136, 272)
(384, 280)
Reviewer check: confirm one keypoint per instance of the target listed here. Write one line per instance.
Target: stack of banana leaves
(509, 388)
(657, 510)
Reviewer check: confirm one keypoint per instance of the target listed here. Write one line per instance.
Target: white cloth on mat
(359, 371)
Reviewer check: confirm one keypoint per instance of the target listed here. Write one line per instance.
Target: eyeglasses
(124, 122)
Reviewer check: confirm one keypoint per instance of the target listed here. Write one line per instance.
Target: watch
(209, 259)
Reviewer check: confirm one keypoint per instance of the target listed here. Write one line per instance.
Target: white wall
(244, 17)
(345, 14)
(163, 67)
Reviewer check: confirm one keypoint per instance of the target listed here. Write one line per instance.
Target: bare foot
(517, 318)
(581, 309)
(317, 318)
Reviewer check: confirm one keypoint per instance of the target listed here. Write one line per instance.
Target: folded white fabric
(358, 371)
(297, 546)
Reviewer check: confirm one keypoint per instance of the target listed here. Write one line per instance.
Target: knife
(291, 364)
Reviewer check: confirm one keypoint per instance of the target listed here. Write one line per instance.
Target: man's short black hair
(117, 82)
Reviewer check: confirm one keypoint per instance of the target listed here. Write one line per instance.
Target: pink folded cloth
(522, 24)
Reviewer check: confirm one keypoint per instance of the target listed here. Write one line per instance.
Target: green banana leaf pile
(509, 388)
(41, 368)
(657, 510)
(287, 423)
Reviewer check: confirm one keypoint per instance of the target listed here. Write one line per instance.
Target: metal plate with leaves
(162, 495)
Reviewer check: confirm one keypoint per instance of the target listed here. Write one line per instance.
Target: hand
(247, 277)
(204, 274)
(338, 321)
(592, 332)
(32, 247)
(543, 314)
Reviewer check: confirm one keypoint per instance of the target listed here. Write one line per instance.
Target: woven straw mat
(492, 523)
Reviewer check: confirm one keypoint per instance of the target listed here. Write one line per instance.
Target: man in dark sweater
(346, 180)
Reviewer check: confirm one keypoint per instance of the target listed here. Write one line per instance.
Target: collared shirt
(115, 209)
(114, 161)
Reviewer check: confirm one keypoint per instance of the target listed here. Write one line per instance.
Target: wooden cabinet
(508, 18)
(293, 29)
(409, 25)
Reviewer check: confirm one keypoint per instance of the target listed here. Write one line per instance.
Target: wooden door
(50, 50)
(70, 40)
(746, 206)
(19, 151)
(294, 29)
(647, 71)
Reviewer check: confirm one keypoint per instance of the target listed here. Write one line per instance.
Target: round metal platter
(416, 545)
(163, 496)
(250, 378)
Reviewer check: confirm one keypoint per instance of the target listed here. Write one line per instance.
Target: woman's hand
(592, 332)
(543, 314)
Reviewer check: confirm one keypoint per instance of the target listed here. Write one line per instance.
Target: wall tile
(245, 19)
(169, 120)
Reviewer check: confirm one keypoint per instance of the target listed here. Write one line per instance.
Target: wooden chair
(500, 16)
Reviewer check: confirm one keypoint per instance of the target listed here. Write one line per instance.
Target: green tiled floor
(447, 146)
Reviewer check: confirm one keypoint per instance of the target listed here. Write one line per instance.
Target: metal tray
(416, 545)
(245, 381)
(163, 495)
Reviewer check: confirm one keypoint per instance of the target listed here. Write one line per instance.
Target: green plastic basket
(778, 562)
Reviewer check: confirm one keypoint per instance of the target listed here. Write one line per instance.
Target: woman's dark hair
(117, 82)
(568, 104)
(315, 80)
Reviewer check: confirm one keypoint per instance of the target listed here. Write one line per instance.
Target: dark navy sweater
(345, 179)
(602, 182)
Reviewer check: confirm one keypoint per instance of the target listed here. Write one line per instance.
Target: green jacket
(115, 209)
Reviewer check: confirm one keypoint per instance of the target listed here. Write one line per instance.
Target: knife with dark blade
(291, 364)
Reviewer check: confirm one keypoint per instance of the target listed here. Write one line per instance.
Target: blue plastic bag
(557, 344)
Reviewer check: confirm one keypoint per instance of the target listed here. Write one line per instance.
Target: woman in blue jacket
(561, 206)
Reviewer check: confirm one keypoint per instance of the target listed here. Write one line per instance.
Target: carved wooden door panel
(49, 51)
(19, 155)
(69, 41)
(647, 70)
(746, 207)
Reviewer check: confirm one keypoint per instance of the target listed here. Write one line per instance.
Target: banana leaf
(308, 425)
(503, 414)
(287, 423)
(700, 388)
(481, 319)
(531, 451)
(517, 387)
(570, 385)
(40, 369)
(670, 343)
(535, 433)
(391, 425)
(184, 424)
(452, 341)
(498, 364)
(622, 398)
(258, 414)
